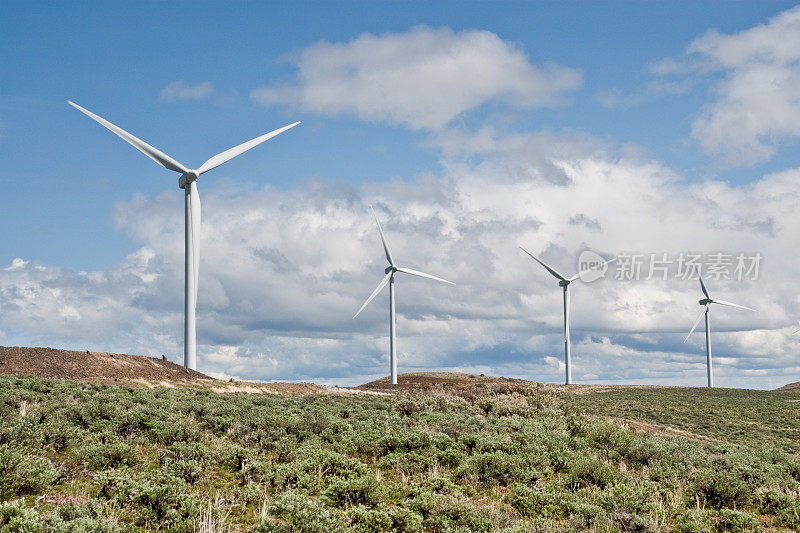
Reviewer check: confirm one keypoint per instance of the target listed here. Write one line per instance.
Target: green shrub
(168, 432)
(694, 521)
(67, 518)
(588, 470)
(189, 470)
(366, 520)
(151, 496)
(290, 476)
(740, 521)
(109, 454)
(15, 517)
(505, 405)
(445, 512)
(584, 514)
(409, 462)
(723, 487)
(496, 468)
(299, 513)
(59, 434)
(636, 496)
(625, 520)
(405, 520)
(22, 473)
(785, 507)
(544, 502)
(189, 461)
(362, 490)
(26, 431)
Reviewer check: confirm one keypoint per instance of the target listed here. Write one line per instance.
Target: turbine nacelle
(564, 283)
(391, 269)
(187, 178)
(706, 301)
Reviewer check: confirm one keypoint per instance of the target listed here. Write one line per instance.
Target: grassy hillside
(750, 417)
(497, 456)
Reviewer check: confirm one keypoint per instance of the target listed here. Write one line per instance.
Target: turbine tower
(188, 182)
(389, 278)
(564, 282)
(706, 303)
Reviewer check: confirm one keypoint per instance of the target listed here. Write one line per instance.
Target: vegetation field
(492, 457)
(749, 417)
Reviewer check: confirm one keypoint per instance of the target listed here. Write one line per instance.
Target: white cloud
(282, 272)
(182, 90)
(756, 74)
(16, 264)
(424, 78)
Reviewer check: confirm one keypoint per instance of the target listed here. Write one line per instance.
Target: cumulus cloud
(756, 74)
(283, 271)
(181, 90)
(423, 78)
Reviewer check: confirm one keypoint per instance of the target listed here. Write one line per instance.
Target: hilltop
(101, 367)
(791, 387)
(454, 381)
(136, 370)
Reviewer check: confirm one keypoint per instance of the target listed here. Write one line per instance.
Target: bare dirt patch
(653, 429)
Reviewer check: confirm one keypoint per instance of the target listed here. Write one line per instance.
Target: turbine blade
(159, 157)
(422, 274)
(195, 220)
(551, 270)
(722, 302)
(229, 154)
(694, 326)
(582, 272)
(702, 285)
(381, 285)
(383, 238)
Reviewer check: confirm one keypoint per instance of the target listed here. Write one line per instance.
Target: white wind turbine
(706, 303)
(564, 282)
(187, 181)
(389, 278)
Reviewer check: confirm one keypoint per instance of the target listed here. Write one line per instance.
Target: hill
(454, 381)
(137, 370)
(101, 367)
(791, 387)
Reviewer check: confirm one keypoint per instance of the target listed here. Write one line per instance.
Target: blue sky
(654, 88)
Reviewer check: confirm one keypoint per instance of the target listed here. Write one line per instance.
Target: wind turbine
(706, 303)
(389, 278)
(564, 282)
(187, 181)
